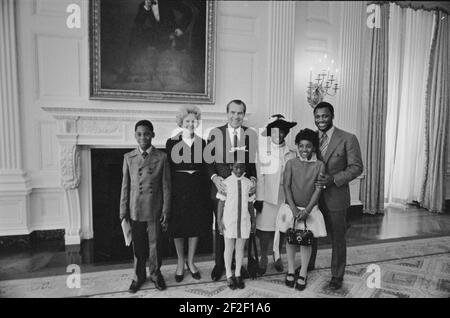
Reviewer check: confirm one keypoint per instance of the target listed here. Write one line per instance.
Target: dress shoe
(135, 286)
(217, 273)
(278, 264)
(240, 282)
(335, 283)
(298, 286)
(231, 283)
(289, 283)
(179, 278)
(195, 275)
(159, 282)
(262, 265)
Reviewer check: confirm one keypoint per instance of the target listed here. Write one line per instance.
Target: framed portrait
(153, 50)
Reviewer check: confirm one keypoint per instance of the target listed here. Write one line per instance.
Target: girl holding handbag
(302, 197)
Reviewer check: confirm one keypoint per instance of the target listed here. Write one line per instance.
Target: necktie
(323, 144)
(144, 154)
(235, 143)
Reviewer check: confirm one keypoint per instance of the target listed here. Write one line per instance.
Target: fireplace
(106, 174)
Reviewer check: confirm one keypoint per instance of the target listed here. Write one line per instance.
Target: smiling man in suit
(341, 154)
(225, 143)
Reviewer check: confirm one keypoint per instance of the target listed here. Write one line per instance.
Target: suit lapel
(334, 142)
(226, 139)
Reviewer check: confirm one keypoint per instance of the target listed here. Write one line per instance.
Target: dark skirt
(190, 213)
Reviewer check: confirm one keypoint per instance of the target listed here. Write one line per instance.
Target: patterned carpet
(409, 269)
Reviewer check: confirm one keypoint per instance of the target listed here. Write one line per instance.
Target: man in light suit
(223, 144)
(145, 203)
(341, 154)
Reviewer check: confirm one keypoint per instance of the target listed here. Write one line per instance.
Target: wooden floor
(396, 224)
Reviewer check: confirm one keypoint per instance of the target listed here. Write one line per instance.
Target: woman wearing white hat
(272, 158)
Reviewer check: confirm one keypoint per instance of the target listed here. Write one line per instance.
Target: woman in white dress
(272, 158)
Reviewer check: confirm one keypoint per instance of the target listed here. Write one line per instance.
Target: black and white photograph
(224, 156)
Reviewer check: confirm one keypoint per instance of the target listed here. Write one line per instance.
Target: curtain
(375, 103)
(437, 117)
(410, 34)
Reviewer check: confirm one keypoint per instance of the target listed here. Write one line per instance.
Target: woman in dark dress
(190, 216)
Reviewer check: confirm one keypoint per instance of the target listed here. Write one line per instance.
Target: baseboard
(32, 239)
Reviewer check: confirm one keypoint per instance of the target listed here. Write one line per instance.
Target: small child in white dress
(236, 219)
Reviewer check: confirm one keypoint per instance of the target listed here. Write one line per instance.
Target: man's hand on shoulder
(220, 186)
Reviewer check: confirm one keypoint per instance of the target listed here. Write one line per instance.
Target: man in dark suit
(156, 25)
(224, 144)
(341, 154)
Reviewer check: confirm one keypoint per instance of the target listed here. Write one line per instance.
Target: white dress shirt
(147, 151)
(231, 131)
(155, 10)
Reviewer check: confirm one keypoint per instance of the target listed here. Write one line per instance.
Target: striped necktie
(323, 144)
(239, 209)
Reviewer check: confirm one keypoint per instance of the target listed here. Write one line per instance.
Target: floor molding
(28, 241)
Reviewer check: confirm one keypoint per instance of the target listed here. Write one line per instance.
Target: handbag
(299, 237)
(252, 258)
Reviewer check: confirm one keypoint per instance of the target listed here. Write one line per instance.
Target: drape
(410, 34)
(437, 117)
(374, 104)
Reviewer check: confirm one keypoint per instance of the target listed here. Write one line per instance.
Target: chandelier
(324, 84)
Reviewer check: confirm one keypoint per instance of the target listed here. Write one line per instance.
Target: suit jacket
(219, 146)
(146, 186)
(167, 22)
(343, 161)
